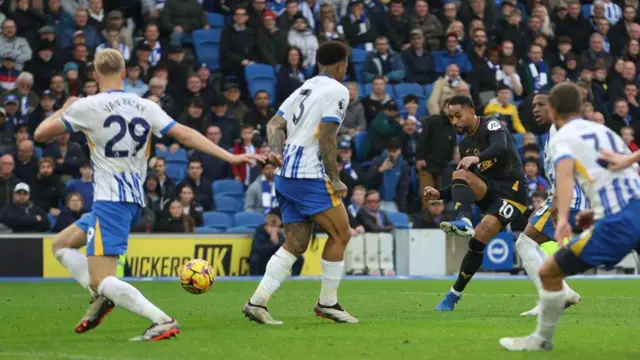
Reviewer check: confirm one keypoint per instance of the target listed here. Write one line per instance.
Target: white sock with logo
(130, 298)
(278, 268)
(77, 264)
(332, 272)
(551, 307)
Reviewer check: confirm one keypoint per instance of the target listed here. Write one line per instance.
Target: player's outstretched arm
(327, 141)
(193, 139)
(53, 125)
(617, 161)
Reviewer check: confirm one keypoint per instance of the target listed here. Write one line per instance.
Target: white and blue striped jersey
(608, 191)
(319, 99)
(579, 201)
(118, 127)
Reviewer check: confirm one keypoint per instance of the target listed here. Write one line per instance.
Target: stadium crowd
(407, 59)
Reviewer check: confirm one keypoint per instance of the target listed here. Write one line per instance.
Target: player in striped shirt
(118, 127)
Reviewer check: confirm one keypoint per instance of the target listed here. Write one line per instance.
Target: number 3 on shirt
(139, 138)
(304, 94)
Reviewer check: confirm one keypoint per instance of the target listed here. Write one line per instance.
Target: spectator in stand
(632, 52)
(574, 25)
(44, 65)
(537, 199)
(245, 173)
(214, 168)
(619, 33)
(200, 184)
(47, 188)
(83, 185)
(158, 87)
(194, 91)
(598, 118)
(534, 72)
(16, 45)
(133, 83)
(96, 15)
(261, 194)
(8, 179)
(174, 220)
(628, 136)
(371, 217)
(509, 76)
(357, 201)
(20, 134)
(81, 19)
(383, 62)
(260, 113)
(354, 119)
(152, 40)
(595, 52)
(153, 194)
(229, 126)
(621, 117)
(72, 85)
(603, 29)
(285, 19)
(531, 151)
(23, 90)
(27, 19)
(6, 132)
(483, 75)
(631, 95)
(517, 33)
(501, 104)
(418, 61)
(389, 173)
(291, 75)
(236, 108)
(26, 162)
(452, 54)
(328, 11)
(272, 41)
(207, 83)
(358, 28)
(194, 117)
(266, 241)
(190, 205)
(67, 154)
(535, 181)
(432, 215)
(411, 108)
(395, 26)
(8, 72)
(72, 211)
(181, 18)
(457, 28)
(559, 57)
(116, 20)
(114, 41)
(302, 37)
(610, 10)
(386, 125)
(56, 17)
(256, 13)
(617, 83)
(238, 45)
(23, 217)
(430, 25)
(309, 8)
(350, 172)
(409, 139)
(373, 103)
(166, 185)
(444, 88)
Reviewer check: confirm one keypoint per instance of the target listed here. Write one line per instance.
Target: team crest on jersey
(494, 125)
(341, 104)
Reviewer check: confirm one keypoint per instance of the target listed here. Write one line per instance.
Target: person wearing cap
(141, 55)
(181, 18)
(47, 188)
(208, 84)
(383, 62)
(229, 126)
(116, 20)
(351, 173)
(133, 83)
(235, 107)
(43, 65)
(418, 60)
(387, 124)
(80, 23)
(452, 54)
(114, 41)
(358, 29)
(272, 41)
(501, 104)
(389, 173)
(71, 71)
(8, 71)
(12, 107)
(238, 44)
(23, 217)
(17, 45)
(44, 109)
(23, 90)
(432, 28)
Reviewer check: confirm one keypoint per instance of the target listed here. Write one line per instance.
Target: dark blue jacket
(23, 218)
(442, 59)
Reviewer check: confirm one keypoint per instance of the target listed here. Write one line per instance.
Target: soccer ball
(197, 276)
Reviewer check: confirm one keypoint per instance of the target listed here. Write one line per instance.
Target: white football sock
(77, 264)
(278, 268)
(532, 259)
(332, 272)
(130, 298)
(551, 307)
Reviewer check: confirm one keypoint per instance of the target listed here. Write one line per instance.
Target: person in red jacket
(628, 134)
(242, 172)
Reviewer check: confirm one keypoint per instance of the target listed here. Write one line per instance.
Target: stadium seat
(227, 187)
(207, 46)
(359, 141)
(38, 151)
(427, 90)
(358, 57)
(241, 230)
(52, 221)
(399, 220)
(405, 89)
(586, 10)
(518, 139)
(389, 89)
(216, 21)
(216, 219)
(542, 139)
(207, 230)
(361, 94)
(258, 70)
(248, 219)
(227, 204)
(176, 172)
(180, 157)
(265, 83)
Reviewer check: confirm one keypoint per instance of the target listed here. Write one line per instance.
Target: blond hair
(108, 62)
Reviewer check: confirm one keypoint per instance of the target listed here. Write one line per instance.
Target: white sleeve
(286, 108)
(78, 116)
(560, 148)
(160, 122)
(336, 106)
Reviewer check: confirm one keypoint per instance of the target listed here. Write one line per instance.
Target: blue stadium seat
(265, 83)
(405, 89)
(258, 70)
(415, 181)
(542, 139)
(241, 230)
(227, 204)
(248, 219)
(207, 46)
(38, 151)
(176, 172)
(358, 57)
(427, 90)
(359, 141)
(518, 139)
(389, 89)
(361, 94)
(227, 187)
(399, 220)
(216, 21)
(180, 157)
(207, 230)
(216, 219)
(52, 221)
(586, 10)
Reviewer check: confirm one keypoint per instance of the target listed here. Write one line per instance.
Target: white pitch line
(533, 295)
(54, 355)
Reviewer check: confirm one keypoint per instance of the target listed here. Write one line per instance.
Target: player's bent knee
(460, 174)
(550, 271)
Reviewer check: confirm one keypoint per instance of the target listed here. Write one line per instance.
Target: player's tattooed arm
(276, 134)
(329, 149)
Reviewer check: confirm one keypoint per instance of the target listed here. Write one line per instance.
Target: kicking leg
(466, 189)
(335, 223)
(102, 270)
(278, 268)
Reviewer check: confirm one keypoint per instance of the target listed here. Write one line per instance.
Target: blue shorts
(610, 240)
(544, 223)
(300, 199)
(107, 227)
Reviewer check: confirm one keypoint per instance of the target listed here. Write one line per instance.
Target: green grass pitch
(397, 322)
